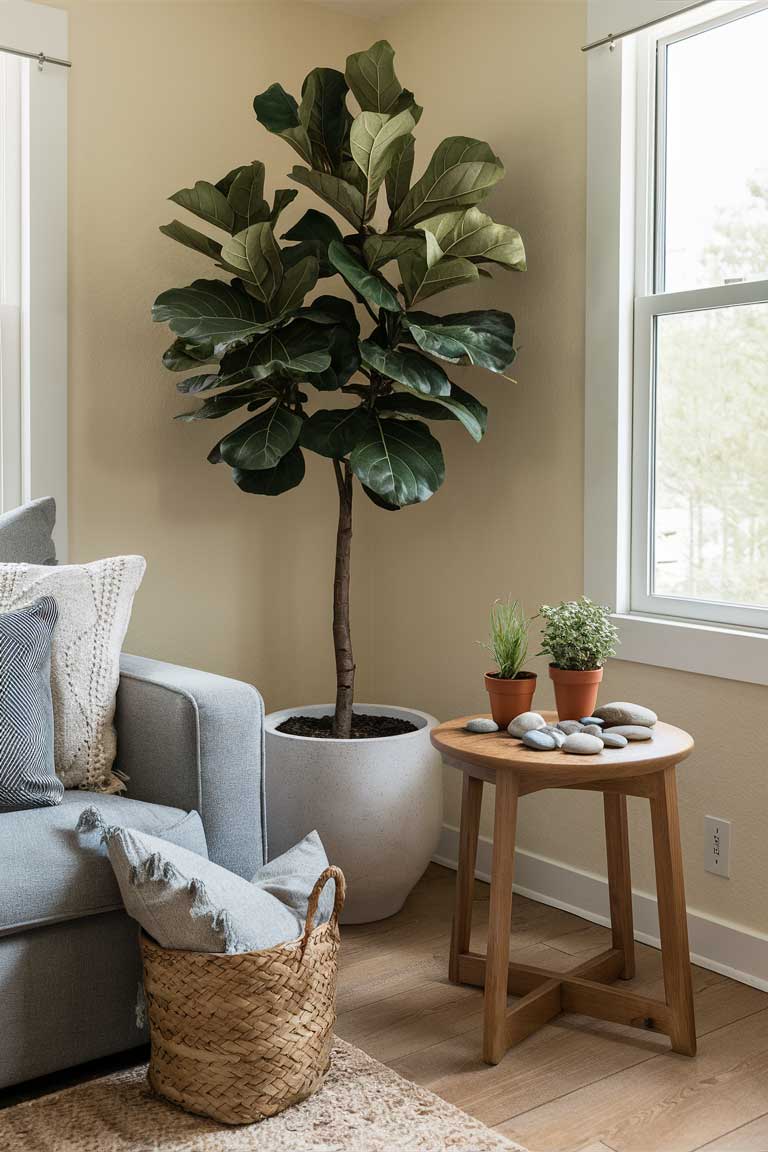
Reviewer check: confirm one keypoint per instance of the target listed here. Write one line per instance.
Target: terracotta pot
(510, 697)
(575, 692)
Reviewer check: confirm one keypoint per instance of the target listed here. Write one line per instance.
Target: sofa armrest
(194, 740)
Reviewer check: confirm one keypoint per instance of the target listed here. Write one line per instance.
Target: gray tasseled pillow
(184, 901)
(25, 533)
(292, 876)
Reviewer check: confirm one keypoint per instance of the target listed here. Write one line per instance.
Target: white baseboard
(715, 944)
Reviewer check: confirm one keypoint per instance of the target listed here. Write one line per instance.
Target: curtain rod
(612, 37)
(39, 56)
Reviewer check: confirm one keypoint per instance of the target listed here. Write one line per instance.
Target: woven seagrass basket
(242, 1036)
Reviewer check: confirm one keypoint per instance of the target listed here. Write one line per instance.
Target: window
(33, 274)
(677, 132)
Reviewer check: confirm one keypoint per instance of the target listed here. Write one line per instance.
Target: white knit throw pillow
(94, 602)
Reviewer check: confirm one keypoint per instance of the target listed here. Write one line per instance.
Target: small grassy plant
(577, 634)
(508, 642)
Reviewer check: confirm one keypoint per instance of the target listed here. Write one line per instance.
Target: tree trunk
(342, 638)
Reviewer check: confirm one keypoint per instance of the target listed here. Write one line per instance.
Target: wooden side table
(641, 769)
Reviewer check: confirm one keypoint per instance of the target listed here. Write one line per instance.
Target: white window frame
(33, 332)
(620, 318)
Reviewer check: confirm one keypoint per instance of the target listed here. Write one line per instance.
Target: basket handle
(330, 873)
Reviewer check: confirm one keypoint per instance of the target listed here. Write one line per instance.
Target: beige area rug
(362, 1107)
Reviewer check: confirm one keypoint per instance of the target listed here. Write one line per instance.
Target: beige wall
(161, 96)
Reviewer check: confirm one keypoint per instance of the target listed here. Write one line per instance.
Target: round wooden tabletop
(498, 750)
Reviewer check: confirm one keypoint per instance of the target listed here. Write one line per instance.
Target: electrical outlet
(717, 845)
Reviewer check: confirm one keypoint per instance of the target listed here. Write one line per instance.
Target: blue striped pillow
(27, 774)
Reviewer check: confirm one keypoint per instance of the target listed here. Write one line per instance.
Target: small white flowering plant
(578, 635)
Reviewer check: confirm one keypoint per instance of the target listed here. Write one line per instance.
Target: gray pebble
(525, 722)
(557, 736)
(539, 740)
(631, 731)
(481, 724)
(593, 730)
(614, 740)
(582, 744)
(570, 726)
(622, 712)
(591, 720)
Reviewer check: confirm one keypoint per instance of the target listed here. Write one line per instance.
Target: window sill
(708, 649)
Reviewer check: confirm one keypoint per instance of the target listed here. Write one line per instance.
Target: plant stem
(342, 638)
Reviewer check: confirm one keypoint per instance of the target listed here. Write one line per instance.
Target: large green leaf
(371, 77)
(324, 114)
(279, 113)
(206, 201)
(334, 431)
(344, 197)
(371, 140)
(473, 235)
(460, 405)
(461, 171)
(210, 310)
(300, 348)
(368, 284)
(299, 279)
(410, 368)
(184, 354)
(400, 170)
(254, 395)
(246, 196)
(282, 198)
(262, 440)
(380, 248)
(227, 181)
(191, 238)
(314, 232)
(399, 460)
(422, 279)
(486, 337)
(255, 256)
(287, 474)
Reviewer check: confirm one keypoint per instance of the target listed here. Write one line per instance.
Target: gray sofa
(69, 960)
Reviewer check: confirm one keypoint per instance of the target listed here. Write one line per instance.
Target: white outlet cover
(717, 845)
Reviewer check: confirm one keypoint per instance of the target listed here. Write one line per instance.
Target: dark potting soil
(364, 726)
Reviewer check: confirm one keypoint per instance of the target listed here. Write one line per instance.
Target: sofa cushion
(49, 873)
(25, 533)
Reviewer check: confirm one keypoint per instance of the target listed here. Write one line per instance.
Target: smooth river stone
(556, 734)
(481, 724)
(612, 740)
(631, 731)
(525, 722)
(585, 720)
(622, 712)
(582, 744)
(570, 726)
(593, 730)
(540, 741)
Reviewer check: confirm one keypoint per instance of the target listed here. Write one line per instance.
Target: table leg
(500, 918)
(619, 879)
(471, 801)
(673, 927)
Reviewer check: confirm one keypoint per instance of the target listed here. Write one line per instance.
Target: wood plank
(619, 879)
(668, 1103)
(752, 1137)
(499, 919)
(673, 924)
(471, 803)
(532, 1012)
(523, 978)
(615, 1004)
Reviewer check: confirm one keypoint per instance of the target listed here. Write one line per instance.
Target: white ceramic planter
(377, 804)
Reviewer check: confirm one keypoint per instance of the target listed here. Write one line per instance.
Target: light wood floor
(578, 1085)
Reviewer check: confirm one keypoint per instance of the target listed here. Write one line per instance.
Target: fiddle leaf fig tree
(249, 342)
